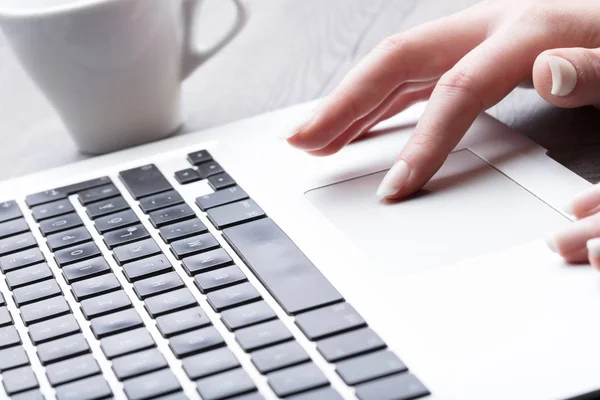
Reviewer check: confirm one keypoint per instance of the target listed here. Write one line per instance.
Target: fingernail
(394, 179)
(564, 76)
(551, 242)
(593, 246)
(568, 209)
(292, 132)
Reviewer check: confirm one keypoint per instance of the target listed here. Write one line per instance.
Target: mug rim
(8, 12)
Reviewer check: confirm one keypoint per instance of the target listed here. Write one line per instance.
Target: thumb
(568, 78)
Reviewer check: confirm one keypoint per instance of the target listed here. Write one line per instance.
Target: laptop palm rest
(468, 209)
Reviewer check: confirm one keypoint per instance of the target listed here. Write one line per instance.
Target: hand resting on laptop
(464, 64)
(581, 240)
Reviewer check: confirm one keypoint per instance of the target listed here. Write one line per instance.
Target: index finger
(421, 54)
(481, 79)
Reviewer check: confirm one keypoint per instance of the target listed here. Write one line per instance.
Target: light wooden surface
(290, 51)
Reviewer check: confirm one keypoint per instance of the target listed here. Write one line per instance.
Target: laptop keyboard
(341, 336)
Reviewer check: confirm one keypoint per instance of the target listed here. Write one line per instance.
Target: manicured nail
(568, 208)
(564, 76)
(292, 132)
(593, 246)
(551, 242)
(394, 179)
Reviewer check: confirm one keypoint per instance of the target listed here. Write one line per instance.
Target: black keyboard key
(328, 321)
(53, 329)
(171, 215)
(297, 379)
(13, 357)
(97, 194)
(161, 200)
(209, 363)
(9, 210)
(94, 388)
(51, 210)
(221, 197)
(61, 193)
(138, 363)
(263, 335)
(61, 349)
(219, 279)
(232, 296)
(46, 196)
(369, 367)
(277, 357)
(72, 369)
(36, 292)
(116, 323)
(350, 344)
(5, 317)
(19, 380)
(209, 168)
(136, 251)
(107, 303)
(76, 253)
(281, 266)
(186, 176)
(68, 238)
(195, 342)
(45, 309)
(147, 267)
(144, 181)
(59, 224)
(14, 227)
(206, 261)
(235, 213)
(123, 236)
(106, 207)
(402, 387)
(157, 284)
(193, 245)
(115, 221)
(221, 181)
(176, 396)
(17, 243)
(9, 337)
(169, 302)
(319, 394)
(28, 275)
(21, 259)
(182, 321)
(182, 229)
(250, 314)
(34, 394)
(199, 157)
(95, 286)
(85, 269)
(151, 385)
(225, 385)
(127, 342)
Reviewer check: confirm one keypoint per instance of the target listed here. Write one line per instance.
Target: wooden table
(290, 51)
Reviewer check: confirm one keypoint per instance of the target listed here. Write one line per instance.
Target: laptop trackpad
(467, 209)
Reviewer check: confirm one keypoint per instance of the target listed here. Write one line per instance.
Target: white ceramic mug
(112, 69)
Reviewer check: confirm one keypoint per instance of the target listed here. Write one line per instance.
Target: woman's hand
(464, 64)
(580, 242)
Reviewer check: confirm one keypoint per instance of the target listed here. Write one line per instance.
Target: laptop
(225, 264)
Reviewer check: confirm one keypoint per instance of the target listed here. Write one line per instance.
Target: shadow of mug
(112, 69)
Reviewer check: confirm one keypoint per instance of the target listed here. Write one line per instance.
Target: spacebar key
(278, 263)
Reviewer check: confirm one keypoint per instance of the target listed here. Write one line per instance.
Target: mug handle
(192, 57)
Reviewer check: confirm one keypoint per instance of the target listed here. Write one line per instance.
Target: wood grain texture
(290, 51)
